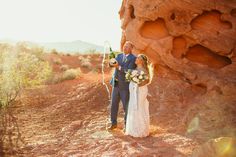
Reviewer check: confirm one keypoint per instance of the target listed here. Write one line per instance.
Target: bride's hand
(141, 84)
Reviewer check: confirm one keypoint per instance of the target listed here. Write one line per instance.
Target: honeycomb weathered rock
(193, 45)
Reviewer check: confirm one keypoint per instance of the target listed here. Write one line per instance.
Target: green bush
(21, 68)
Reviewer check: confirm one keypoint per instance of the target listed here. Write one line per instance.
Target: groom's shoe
(112, 127)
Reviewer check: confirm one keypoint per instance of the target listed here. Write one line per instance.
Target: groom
(120, 87)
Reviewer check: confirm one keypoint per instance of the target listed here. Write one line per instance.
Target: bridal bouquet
(136, 76)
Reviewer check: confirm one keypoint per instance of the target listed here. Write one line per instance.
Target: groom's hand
(115, 65)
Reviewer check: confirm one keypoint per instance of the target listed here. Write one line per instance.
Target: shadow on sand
(10, 135)
(148, 146)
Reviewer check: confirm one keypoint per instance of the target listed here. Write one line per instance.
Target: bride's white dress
(137, 122)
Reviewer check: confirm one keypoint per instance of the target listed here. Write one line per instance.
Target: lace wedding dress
(137, 122)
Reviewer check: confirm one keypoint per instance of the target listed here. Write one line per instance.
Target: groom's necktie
(124, 58)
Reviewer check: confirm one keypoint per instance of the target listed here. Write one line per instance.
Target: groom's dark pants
(119, 93)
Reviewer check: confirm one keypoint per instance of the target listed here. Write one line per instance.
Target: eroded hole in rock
(200, 88)
(217, 89)
(172, 16)
(154, 29)
(233, 12)
(210, 20)
(132, 12)
(201, 85)
(147, 6)
(203, 55)
(179, 47)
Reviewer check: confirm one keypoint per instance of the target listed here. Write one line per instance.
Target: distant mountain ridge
(77, 46)
(72, 47)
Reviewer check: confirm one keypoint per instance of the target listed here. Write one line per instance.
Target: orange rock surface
(193, 47)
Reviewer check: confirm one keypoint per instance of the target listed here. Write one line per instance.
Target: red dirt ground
(70, 118)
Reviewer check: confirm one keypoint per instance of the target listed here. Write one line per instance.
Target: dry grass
(71, 74)
(57, 61)
(86, 63)
(64, 67)
(68, 74)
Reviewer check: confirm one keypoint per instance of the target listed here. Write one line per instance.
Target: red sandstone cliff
(193, 46)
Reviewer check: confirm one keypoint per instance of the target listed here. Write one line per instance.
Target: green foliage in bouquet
(128, 77)
(21, 67)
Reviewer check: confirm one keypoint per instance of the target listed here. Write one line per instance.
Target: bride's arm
(143, 83)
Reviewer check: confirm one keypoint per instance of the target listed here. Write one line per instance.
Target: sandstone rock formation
(193, 46)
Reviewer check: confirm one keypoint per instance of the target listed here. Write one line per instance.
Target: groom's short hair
(130, 43)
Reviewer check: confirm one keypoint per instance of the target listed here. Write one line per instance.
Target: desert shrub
(86, 63)
(91, 51)
(55, 78)
(20, 69)
(32, 49)
(95, 71)
(71, 74)
(68, 54)
(89, 57)
(54, 51)
(80, 58)
(37, 51)
(57, 61)
(64, 67)
(98, 67)
(77, 53)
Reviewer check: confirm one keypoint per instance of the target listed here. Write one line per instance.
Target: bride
(137, 123)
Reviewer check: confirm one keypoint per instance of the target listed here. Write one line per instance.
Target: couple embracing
(132, 94)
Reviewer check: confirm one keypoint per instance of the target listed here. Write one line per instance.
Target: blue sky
(93, 21)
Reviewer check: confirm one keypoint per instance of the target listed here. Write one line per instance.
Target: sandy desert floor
(70, 119)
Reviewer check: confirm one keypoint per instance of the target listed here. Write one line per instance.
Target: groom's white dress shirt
(124, 57)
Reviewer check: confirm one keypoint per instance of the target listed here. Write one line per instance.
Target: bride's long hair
(148, 66)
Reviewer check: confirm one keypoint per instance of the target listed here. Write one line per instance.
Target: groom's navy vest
(118, 78)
